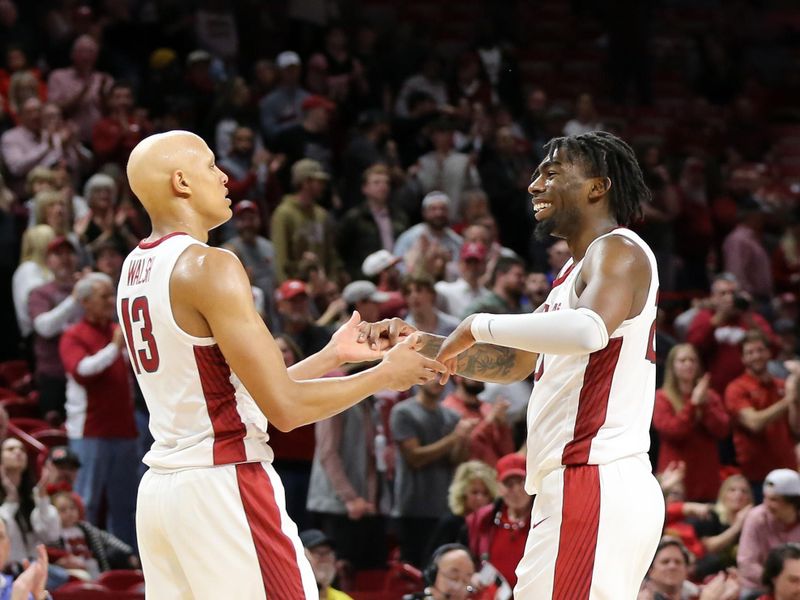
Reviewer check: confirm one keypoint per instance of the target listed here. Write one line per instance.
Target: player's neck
(579, 242)
(164, 227)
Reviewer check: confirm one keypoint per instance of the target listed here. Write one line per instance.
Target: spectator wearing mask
(690, 418)
(764, 413)
(768, 525)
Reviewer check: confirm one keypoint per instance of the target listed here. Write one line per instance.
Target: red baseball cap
(509, 466)
(243, 206)
(474, 250)
(291, 288)
(57, 243)
(316, 101)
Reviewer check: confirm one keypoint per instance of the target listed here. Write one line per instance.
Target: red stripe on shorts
(275, 551)
(220, 396)
(592, 402)
(580, 520)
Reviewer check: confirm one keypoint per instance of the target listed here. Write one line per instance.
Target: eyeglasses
(459, 584)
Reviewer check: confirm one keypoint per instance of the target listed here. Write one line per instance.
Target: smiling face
(559, 190)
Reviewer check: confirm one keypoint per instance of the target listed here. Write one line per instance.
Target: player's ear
(599, 187)
(180, 184)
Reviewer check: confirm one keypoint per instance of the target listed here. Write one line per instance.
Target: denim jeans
(109, 466)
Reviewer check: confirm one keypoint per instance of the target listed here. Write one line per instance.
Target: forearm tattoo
(484, 362)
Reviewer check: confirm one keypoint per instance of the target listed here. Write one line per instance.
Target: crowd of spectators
(378, 160)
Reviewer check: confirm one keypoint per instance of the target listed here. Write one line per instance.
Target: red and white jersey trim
(595, 408)
(200, 413)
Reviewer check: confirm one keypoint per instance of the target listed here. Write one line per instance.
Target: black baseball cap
(312, 538)
(63, 456)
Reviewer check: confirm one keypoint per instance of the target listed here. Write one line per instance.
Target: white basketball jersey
(200, 413)
(594, 408)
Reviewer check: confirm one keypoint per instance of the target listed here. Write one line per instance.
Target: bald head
(166, 168)
(154, 161)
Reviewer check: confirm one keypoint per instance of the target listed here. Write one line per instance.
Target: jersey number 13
(143, 350)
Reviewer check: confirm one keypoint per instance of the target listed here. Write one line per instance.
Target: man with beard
(508, 284)
(599, 511)
(322, 556)
(537, 288)
(245, 166)
(492, 438)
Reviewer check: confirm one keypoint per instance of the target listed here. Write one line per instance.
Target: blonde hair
(21, 86)
(37, 174)
(670, 386)
(466, 473)
(720, 508)
(34, 244)
(44, 200)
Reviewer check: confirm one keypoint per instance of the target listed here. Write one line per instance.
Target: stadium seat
(30, 425)
(121, 579)
(19, 407)
(51, 437)
(15, 374)
(83, 590)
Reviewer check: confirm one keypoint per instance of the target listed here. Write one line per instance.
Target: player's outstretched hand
(385, 334)
(347, 344)
(404, 366)
(457, 342)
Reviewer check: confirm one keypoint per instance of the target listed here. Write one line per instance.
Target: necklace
(512, 525)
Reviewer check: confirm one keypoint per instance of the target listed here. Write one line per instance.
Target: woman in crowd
(690, 418)
(30, 518)
(719, 532)
(31, 272)
(497, 532)
(474, 486)
(667, 578)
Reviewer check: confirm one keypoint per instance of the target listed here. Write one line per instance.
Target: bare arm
(226, 310)
(485, 362)
(418, 456)
(757, 420)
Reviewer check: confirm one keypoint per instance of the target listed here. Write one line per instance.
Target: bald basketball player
(211, 519)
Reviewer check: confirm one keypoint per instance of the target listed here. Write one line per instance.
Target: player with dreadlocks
(598, 511)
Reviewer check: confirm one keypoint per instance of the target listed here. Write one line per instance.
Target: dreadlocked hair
(605, 155)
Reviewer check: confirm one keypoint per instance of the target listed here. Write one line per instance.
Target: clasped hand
(382, 335)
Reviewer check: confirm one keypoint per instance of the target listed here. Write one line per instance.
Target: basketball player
(211, 520)
(598, 511)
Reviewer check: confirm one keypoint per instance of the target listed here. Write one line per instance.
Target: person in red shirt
(689, 418)
(124, 126)
(782, 573)
(717, 331)
(492, 436)
(764, 413)
(497, 532)
(100, 414)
